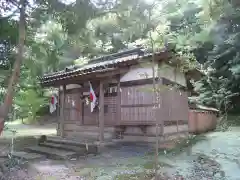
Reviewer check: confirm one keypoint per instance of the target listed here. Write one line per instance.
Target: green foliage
(215, 92)
(59, 34)
(8, 37)
(28, 103)
(64, 34)
(49, 49)
(221, 86)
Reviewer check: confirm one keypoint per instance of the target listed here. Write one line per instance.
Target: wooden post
(81, 108)
(118, 100)
(58, 118)
(58, 105)
(101, 112)
(62, 113)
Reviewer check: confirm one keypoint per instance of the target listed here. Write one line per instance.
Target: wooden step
(78, 149)
(28, 156)
(52, 153)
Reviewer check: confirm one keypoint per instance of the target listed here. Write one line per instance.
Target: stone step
(28, 156)
(52, 153)
(74, 148)
(89, 147)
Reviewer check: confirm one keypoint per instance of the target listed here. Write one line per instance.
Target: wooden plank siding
(90, 118)
(73, 110)
(137, 106)
(174, 106)
(78, 112)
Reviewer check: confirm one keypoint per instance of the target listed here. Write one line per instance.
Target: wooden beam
(62, 112)
(101, 112)
(118, 100)
(135, 82)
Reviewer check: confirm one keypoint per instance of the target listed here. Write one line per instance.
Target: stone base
(167, 141)
(149, 130)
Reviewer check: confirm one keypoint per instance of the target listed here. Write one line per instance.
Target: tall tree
(8, 36)
(222, 62)
(4, 108)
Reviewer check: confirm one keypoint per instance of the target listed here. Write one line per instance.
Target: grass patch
(151, 165)
(146, 175)
(225, 122)
(24, 136)
(182, 145)
(19, 142)
(27, 130)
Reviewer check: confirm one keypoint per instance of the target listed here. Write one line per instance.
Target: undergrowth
(227, 121)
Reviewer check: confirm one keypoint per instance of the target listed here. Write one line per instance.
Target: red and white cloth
(53, 104)
(93, 98)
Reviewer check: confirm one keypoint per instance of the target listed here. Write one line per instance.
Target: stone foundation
(151, 130)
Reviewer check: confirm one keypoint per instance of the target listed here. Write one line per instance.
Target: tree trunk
(5, 107)
(155, 92)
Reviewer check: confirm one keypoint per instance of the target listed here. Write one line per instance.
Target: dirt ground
(215, 157)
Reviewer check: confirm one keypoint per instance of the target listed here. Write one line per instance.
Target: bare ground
(216, 157)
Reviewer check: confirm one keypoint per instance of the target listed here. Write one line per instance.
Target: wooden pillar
(82, 104)
(118, 100)
(62, 112)
(79, 108)
(101, 112)
(59, 106)
(59, 112)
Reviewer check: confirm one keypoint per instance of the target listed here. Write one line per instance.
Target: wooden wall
(137, 108)
(78, 112)
(91, 118)
(72, 111)
(110, 110)
(201, 121)
(173, 106)
(138, 102)
(138, 115)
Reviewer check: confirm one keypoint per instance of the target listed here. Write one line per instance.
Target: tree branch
(10, 15)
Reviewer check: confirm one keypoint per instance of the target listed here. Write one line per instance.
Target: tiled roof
(89, 66)
(101, 63)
